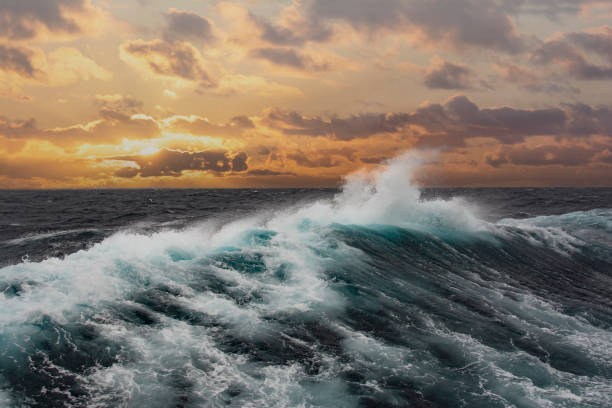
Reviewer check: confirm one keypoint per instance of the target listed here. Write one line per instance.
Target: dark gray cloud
(313, 31)
(187, 25)
(17, 60)
(174, 162)
(289, 57)
(239, 162)
(530, 81)
(571, 52)
(354, 127)
(586, 120)
(460, 24)
(449, 75)
(508, 125)
(174, 59)
(242, 121)
(548, 155)
(448, 124)
(21, 19)
(598, 41)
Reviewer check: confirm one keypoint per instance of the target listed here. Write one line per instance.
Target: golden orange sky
(196, 93)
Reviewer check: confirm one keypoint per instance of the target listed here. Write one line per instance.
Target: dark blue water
(379, 295)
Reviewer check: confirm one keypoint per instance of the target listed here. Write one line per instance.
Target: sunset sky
(253, 93)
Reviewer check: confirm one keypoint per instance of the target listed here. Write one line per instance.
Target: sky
(281, 93)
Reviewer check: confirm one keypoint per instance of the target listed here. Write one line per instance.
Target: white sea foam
(45, 235)
(5, 399)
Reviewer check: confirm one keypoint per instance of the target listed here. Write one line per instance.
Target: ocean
(379, 294)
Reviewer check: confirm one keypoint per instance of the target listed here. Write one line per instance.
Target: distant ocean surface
(378, 295)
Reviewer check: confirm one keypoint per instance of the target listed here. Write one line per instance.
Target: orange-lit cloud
(128, 93)
(172, 60)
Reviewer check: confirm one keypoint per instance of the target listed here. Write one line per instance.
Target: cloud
(46, 20)
(239, 162)
(553, 9)
(290, 58)
(460, 119)
(323, 158)
(448, 124)
(516, 74)
(456, 24)
(66, 65)
(170, 60)
(269, 173)
(595, 39)
(243, 121)
(118, 103)
(290, 28)
(17, 128)
(62, 66)
(529, 80)
(17, 60)
(571, 52)
(374, 159)
(253, 85)
(112, 127)
(448, 75)
(495, 160)
(197, 125)
(293, 30)
(313, 162)
(452, 123)
(354, 127)
(586, 120)
(187, 25)
(547, 155)
(173, 163)
(183, 63)
(25, 168)
(9, 90)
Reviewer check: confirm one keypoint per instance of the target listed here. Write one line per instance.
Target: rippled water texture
(378, 296)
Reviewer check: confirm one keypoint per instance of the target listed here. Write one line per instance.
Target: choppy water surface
(378, 295)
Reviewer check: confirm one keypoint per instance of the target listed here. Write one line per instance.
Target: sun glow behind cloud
(149, 150)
